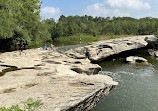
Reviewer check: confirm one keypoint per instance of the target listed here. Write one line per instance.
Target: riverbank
(48, 76)
(63, 81)
(85, 39)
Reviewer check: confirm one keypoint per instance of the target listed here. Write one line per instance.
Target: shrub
(29, 105)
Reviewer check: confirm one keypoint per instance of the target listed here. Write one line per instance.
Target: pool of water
(137, 89)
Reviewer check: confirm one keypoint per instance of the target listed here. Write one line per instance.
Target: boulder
(100, 50)
(74, 54)
(135, 59)
(89, 70)
(82, 66)
(156, 53)
(153, 53)
(152, 41)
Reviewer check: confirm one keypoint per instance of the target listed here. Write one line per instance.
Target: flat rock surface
(48, 75)
(102, 49)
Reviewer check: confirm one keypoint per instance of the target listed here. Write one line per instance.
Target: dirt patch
(30, 85)
(9, 90)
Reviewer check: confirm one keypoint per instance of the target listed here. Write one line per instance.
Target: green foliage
(88, 25)
(75, 39)
(13, 108)
(21, 19)
(156, 33)
(86, 39)
(29, 105)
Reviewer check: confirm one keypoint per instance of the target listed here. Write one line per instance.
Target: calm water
(137, 89)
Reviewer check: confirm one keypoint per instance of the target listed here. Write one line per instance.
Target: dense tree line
(71, 25)
(20, 21)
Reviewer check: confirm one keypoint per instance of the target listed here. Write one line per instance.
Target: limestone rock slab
(52, 80)
(102, 49)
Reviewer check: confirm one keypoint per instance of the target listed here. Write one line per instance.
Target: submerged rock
(153, 52)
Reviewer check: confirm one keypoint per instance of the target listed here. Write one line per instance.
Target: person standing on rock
(45, 47)
(80, 40)
(51, 47)
(21, 47)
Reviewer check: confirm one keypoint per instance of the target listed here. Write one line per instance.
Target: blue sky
(103, 8)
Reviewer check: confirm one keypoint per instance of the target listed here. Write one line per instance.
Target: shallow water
(8, 70)
(137, 89)
(69, 47)
(12, 68)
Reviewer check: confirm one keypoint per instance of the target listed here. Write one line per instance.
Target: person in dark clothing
(80, 40)
(21, 47)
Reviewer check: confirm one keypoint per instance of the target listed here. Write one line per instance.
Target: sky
(100, 8)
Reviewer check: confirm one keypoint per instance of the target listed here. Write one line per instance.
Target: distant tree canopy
(71, 25)
(20, 21)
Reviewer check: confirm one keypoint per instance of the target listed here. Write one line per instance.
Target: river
(138, 85)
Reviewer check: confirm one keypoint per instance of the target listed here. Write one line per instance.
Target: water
(12, 68)
(137, 89)
(8, 70)
(69, 47)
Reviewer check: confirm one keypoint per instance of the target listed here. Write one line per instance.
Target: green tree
(20, 20)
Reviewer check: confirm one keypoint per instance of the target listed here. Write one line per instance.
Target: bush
(156, 33)
(29, 105)
(13, 108)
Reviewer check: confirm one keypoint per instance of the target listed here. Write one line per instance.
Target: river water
(138, 85)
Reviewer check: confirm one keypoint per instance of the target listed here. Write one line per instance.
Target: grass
(74, 40)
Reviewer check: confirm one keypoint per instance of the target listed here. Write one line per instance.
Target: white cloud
(99, 9)
(129, 4)
(116, 8)
(50, 12)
